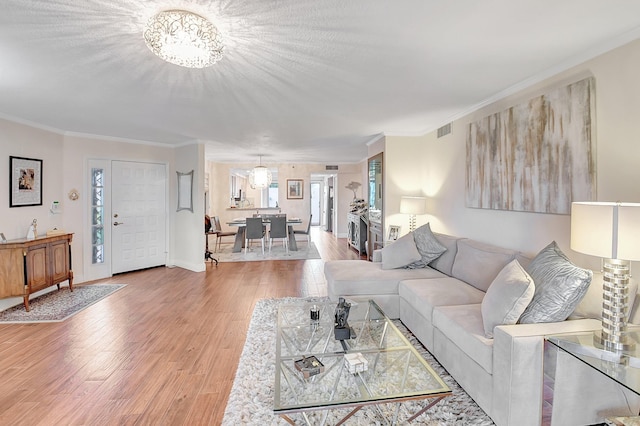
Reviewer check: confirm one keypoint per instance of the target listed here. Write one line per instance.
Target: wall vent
(444, 130)
(331, 167)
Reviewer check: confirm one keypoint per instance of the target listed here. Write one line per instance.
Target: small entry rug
(252, 393)
(278, 252)
(59, 305)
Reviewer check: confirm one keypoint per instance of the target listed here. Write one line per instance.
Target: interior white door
(138, 215)
(315, 203)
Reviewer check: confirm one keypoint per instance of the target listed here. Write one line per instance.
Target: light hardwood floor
(161, 351)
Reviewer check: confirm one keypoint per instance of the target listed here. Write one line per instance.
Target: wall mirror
(185, 191)
(375, 188)
(376, 210)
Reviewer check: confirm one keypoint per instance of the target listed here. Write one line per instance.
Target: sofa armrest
(377, 255)
(548, 328)
(518, 352)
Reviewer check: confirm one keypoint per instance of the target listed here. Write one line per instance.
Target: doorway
(316, 203)
(127, 217)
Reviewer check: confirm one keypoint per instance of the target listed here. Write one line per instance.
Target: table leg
(239, 241)
(419, 413)
(288, 419)
(292, 239)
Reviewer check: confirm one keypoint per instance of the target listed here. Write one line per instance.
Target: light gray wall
(436, 167)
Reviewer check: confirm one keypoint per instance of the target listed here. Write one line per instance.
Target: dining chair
(304, 231)
(254, 230)
(208, 231)
(217, 228)
(278, 229)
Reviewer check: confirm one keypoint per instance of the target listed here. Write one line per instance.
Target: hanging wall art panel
(537, 156)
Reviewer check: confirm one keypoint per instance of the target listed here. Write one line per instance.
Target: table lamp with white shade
(610, 231)
(413, 206)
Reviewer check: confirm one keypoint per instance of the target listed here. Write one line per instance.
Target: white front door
(138, 215)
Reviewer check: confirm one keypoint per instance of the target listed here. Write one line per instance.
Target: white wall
(19, 140)
(436, 167)
(187, 243)
(64, 168)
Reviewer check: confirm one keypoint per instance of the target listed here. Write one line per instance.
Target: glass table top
(396, 371)
(623, 367)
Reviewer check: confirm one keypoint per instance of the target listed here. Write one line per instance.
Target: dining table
(241, 223)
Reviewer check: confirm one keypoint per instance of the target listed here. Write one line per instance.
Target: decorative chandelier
(184, 38)
(260, 177)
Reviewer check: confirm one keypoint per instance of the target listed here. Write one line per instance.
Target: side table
(586, 384)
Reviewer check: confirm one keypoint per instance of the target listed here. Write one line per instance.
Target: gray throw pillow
(400, 253)
(507, 297)
(560, 285)
(428, 246)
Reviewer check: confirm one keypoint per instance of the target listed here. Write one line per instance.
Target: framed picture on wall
(25, 180)
(294, 189)
(394, 232)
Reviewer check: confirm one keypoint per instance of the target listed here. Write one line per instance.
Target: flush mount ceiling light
(260, 177)
(183, 38)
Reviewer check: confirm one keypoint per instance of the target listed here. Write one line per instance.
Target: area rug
(252, 393)
(278, 252)
(59, 305)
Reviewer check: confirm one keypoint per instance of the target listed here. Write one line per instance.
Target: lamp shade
(413, 205)
(260, 177)
(608, 230)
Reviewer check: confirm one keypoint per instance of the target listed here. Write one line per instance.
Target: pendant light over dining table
(260, 177)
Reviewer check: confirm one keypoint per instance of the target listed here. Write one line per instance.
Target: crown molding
(129, 140)
(375, 139)
(31, 124)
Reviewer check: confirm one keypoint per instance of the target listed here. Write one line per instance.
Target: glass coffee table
(622, 367)
(395, 372)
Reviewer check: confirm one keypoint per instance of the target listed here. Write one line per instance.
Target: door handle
(118, 223)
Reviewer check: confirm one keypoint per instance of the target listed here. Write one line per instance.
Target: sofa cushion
(444, 263)
(560, 285)
(359, 277)
(425, 294)
(462, 325)
(507, 297)
(478, 263)
(400, 253)
(428, 246)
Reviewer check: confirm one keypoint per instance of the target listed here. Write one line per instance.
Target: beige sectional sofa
(442, 305)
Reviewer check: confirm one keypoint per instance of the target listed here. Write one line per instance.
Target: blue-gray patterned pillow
(560, 285)
(428, 246)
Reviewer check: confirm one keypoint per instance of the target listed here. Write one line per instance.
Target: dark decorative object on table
(314, 313)
(309, 366)
(341, 329)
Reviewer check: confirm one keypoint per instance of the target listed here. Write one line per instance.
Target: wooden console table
(28, 266)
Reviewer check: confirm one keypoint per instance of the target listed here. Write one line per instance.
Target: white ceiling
(301, 80)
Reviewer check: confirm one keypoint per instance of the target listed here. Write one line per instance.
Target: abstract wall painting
(537, 156)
